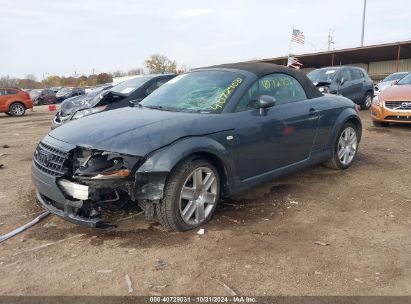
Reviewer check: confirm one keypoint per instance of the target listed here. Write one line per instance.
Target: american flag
(298, 36)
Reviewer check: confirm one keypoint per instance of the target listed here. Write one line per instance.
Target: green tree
(160, 64)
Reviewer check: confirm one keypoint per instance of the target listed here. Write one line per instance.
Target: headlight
(105, 165)
(376, 101)
(86, 112)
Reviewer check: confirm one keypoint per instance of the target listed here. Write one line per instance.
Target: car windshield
(405, 80)
(129, 86)
(395, 76)
(201, 91)
(322, 75)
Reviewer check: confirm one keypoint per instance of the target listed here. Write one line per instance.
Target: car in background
(14, 102)
(393, 104)
(65, 93)
(41, 97)
(389, 80)
(56, 89)
(351, 82)
(209, 133)
(132, 90)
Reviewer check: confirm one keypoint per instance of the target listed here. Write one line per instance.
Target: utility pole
(363, 23)
(330, 39)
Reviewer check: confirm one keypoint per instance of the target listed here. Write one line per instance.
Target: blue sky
(59, 37)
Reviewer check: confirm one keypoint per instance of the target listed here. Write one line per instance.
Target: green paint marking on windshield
(222, 99)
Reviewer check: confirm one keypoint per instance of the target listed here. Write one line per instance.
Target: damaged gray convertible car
(206, 134)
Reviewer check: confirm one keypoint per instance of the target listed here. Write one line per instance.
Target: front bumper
(383, 114)
(51, 197)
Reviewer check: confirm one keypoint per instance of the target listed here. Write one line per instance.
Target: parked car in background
(41, 97)
(107, 98)
(65, 93)
(393, 104)
(206, 134)
(14, 102)
(389, 80)
(56, 89)
(351, 82)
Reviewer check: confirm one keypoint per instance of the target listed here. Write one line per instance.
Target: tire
(380, 124)
(17, 109)
(366, 104)
(178, 213)
(342, 160)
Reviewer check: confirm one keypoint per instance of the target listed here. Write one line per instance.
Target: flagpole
(289, 48)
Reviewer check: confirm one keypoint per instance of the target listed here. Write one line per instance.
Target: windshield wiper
(161, 108)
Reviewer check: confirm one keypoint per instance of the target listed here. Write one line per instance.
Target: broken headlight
(105, 165)
(86, 112)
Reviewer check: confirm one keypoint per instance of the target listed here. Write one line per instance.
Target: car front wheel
(190, 196)
(367, 102)
(17, 109)
(345, 148)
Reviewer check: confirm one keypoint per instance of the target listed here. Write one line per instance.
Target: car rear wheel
(380, 124)
(190, 197)
(345, 148)
(367, 102)
(17, 109)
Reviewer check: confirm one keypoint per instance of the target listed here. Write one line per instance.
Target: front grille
(398, 105)
(50, 160)
(398, 118)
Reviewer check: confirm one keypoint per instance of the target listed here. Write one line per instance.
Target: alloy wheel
(347, 146)
(198, 196)
(17, 109)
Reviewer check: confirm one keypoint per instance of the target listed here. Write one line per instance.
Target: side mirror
(134, 102)
(265, 102)
(394, 82)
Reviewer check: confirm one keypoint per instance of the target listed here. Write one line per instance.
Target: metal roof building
(378, 60)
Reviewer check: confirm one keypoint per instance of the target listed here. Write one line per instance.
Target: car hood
(138, 131)
(383, 85)
(396, 93)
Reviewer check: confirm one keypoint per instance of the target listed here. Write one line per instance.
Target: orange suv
(14, 102)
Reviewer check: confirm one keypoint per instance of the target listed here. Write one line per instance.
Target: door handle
(313, 111)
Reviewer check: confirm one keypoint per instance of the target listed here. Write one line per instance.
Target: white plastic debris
(129, 285)
(201, 231)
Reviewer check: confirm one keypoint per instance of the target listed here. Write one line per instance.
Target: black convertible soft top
(261, 69)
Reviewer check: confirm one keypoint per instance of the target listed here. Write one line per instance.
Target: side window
(155, 86)
(10, 92)
(356, 74)
(282, 87)
(2, 92)
(249, 99)
(346, 75)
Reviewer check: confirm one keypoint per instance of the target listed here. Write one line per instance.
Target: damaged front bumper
(83, 201)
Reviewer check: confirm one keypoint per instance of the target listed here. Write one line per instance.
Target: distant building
(378, 60)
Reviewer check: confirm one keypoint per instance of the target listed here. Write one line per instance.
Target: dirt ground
(261, 242)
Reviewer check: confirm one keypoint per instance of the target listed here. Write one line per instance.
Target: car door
(3, 100)
(347, 88)
(284, 135)
(358, 85)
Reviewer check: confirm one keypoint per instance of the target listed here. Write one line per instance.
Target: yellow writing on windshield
(276, 82)
(222, 99)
